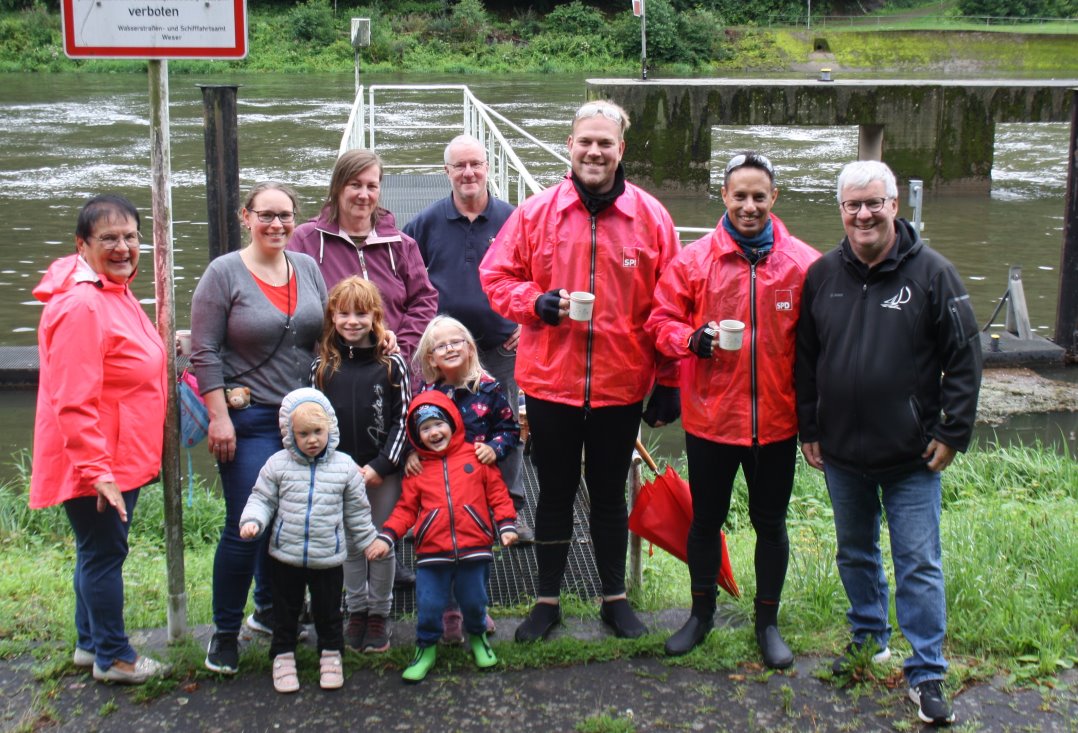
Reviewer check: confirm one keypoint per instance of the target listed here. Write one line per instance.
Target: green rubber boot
(484, 655)
(421, 664)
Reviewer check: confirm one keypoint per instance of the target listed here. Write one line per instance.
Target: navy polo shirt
(452, 248)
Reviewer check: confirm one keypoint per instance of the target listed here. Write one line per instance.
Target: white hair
(461, 140)
(860, 173)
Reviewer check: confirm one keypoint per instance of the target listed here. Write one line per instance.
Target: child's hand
(412, 465)
(509, 538)
(485, 454)
(249, 530)
(376, 550)
(371, 478)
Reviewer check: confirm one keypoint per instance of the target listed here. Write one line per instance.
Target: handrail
(508, 177)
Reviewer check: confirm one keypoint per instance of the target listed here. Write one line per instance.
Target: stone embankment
(1006, 392)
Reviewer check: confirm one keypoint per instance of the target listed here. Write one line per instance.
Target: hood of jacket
(438, 399)
(291, 401)
(67, 272)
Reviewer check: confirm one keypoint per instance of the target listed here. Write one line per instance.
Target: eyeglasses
(265, 216)
(750, 159)
(110, 242)
(455, 345)
(851, 206)
(594, 110)
(477, 165)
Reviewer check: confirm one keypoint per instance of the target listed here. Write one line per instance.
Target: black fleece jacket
(888, 358)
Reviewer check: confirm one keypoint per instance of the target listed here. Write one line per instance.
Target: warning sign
(155, 29)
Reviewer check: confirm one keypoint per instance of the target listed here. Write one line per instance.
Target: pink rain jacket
(101, 390)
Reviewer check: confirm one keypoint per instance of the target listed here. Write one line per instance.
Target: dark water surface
(66, 137)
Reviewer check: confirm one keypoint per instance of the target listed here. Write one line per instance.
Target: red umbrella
(662, 514)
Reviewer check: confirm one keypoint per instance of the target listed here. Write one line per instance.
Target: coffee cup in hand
(581, 304)
(730, 334)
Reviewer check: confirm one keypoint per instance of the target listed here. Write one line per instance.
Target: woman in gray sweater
(255, 319)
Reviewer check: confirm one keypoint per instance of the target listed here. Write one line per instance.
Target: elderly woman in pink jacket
(100, 422)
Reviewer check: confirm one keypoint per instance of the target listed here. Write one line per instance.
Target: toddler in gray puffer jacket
(312, 501)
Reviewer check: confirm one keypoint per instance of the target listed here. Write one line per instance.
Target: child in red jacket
(450, 505)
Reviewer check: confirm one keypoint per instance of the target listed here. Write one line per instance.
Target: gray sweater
(234, 327)
(318, 507)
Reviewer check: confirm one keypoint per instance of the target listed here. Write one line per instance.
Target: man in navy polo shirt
(453, 235)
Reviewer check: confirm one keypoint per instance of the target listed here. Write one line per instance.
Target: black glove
(547, 306)
(702, 340)
(664, 406)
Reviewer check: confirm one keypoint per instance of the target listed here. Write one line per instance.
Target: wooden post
(222, 167)
(161, 192)
(1067, 311)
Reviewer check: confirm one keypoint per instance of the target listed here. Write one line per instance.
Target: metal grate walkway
(406, 194)
(514, 573)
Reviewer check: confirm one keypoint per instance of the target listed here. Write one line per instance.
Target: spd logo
(630, 256)
(784, 300)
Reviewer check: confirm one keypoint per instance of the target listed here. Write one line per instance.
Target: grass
(1010, 556)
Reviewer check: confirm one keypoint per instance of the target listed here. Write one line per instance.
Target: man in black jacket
(888, 371)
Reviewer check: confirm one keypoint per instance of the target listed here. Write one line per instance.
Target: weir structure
(938, 131)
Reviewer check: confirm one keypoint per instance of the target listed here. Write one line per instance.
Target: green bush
(313, 22)
(469, 22)
(575, 18)
(1020, 8)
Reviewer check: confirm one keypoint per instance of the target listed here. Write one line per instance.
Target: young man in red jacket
(739, 409)
(585, 380)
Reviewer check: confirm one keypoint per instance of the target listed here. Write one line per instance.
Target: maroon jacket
(451, 501)
(388, 258)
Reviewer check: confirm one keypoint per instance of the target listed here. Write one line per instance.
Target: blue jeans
(912, 505)
(501, 365)
(237, 560)
(100, 551)
(434, 584)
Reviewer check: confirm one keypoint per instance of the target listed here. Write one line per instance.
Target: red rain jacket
(551, 241)
(740, 397)
(451, 501)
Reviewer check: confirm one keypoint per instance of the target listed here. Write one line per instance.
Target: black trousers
(289, 583)
(607, 436)
(769, 476)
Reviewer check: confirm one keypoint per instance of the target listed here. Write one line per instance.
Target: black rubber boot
(701, 621)
(772, 647)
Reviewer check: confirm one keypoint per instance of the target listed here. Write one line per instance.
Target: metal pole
(161, 193)
(222, 167)
(644, 40)
(1067, 311)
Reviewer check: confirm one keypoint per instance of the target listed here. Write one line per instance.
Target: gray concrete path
(641, 694)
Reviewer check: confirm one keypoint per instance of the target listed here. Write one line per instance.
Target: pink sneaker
(453, 626)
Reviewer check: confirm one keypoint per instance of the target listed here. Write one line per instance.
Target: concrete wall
(942, 132)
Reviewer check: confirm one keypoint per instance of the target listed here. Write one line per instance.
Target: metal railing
(508, 177)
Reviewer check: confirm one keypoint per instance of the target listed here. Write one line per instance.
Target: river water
(66, 137)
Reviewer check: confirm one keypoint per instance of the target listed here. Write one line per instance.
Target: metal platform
(407, 194)
(514, 573)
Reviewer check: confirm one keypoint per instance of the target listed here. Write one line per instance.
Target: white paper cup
(730, 333)
(183, 342)
(580, 305)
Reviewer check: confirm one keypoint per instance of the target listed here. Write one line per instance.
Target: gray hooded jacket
(320, 503)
